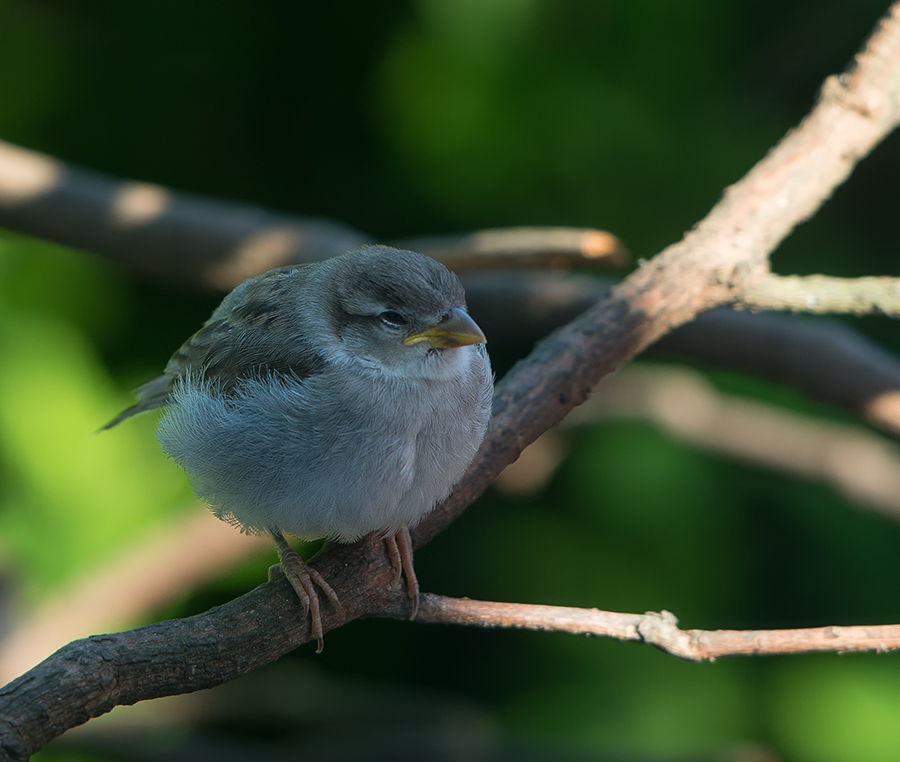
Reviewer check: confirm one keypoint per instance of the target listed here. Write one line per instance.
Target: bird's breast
(333, 455)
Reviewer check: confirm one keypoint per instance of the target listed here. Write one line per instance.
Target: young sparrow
(329, 400)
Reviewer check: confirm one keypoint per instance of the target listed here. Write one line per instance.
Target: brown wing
(254, 330)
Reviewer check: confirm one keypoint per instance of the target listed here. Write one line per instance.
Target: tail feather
(152, 395)
(133, 410)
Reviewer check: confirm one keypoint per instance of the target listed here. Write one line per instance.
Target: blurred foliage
(428, 116)
(63, 515)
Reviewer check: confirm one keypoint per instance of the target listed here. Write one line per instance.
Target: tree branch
(706, 269)
(821, 294)
(852, 460)
(154, 569)
(556, 248)
(88, 677)
(191, 240)
(658, 629)
(826, 360)
(152, 230)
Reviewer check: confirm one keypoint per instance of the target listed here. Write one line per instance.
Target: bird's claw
(400, 551)
(394, 555)
(303, 579)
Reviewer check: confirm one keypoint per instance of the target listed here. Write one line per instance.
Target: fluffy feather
(297, 407)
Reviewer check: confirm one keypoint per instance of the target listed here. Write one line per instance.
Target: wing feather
(250, 333)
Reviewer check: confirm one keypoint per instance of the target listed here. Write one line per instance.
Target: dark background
(406, 118)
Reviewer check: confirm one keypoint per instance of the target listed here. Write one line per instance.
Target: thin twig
(658, 629)
(822, 294)
(557, 248)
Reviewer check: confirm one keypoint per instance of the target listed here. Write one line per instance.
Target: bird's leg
(394, 554)
(303, 579)
(400, 551)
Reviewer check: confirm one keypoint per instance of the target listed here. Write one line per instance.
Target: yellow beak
(458, 330)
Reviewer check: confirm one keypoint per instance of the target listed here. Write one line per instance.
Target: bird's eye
(393, 319)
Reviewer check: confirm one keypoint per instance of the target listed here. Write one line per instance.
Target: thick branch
(827, 361)
(148, 573)
(152, 230)
(191, 240)
(708, 268)
(659, 629)
(704, 270)
(89, 677)
(851, 459)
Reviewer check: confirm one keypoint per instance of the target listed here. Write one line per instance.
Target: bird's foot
(400, 551)
(303, 579)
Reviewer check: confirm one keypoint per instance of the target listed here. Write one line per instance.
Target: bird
(329, 400)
